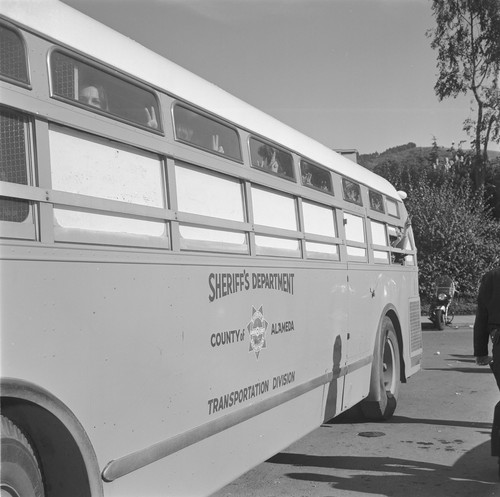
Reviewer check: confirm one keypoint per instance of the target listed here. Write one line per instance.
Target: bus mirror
(402, 195)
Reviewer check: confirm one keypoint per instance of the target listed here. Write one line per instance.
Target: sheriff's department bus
(187, 285)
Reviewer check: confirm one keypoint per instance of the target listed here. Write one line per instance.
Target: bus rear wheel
(389, 377)
(20, 474)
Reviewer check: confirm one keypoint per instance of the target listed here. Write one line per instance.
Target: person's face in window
(90, 96)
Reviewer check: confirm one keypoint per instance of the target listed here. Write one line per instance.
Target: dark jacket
(488, 311)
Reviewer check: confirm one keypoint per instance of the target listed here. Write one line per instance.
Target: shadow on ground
(474, 474)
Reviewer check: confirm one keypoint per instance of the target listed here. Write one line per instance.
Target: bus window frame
(27, 85)
(113, 73)
(206, 115)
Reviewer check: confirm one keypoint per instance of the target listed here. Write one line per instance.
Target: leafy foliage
(467, 39)
(455, 229)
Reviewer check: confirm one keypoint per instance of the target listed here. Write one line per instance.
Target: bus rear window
(271, 159)
(203, 132)
(99, 91)
(13, 62)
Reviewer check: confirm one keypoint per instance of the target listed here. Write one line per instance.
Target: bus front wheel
(19, 472)
(387, 374)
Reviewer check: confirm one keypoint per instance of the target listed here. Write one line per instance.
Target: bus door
(362, 322)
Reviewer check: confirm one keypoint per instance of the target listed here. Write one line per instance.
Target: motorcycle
(440, 311)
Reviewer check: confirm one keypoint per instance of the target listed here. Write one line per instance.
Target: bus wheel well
(61, 462)
(397, 328)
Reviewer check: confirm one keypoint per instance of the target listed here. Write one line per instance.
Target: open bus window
(206, 133)
(100, 91)
(271, 159)
(315, 177)
(376, 201)
(13, 60)
(13, 164)
(352, 191)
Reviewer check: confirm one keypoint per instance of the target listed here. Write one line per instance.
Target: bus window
(379, 237)
(86, 165)
(97, 90)
(393, 234)
(316, 250)
(270, 245)
(392, 208)
(13, 163)
(319, 220)
(315, 177)
(203, 132)
(275, 211)
(208, 194)
(376, 201)
(213, 195)
(355, 236)
(352, 191)
(196, 238)
(13, 61)
(271, 159)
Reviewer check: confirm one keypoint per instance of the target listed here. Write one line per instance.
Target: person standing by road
(486, 326)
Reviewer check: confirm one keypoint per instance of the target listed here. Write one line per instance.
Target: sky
(349, 73)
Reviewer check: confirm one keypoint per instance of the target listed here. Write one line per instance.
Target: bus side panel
(203, 468)
(150, 351)
(373, 290)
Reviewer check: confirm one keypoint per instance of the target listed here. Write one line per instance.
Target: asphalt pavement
(436, 445)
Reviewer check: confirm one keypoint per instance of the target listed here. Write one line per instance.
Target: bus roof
(56, 20)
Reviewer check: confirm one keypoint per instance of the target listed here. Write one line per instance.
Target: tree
(467, 38)
(454, 231)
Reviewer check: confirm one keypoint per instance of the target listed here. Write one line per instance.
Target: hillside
(411, 155)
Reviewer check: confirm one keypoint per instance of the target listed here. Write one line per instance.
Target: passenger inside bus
(401, 235)
(96, 96)
(400, 242)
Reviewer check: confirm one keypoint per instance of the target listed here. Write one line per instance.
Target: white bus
(187, 285)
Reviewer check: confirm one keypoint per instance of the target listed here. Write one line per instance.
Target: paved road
(437, 444)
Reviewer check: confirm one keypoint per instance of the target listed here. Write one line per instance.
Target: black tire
(20, 474)
(389, 377)
(440, 319)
